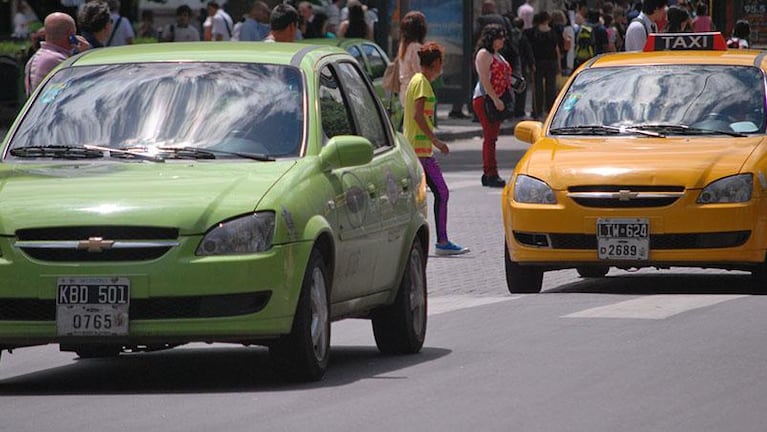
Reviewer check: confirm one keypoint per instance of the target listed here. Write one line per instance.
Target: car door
(390, 186)
(357, 220)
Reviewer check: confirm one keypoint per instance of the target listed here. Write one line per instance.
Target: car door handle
(405, 182)
(372, 190)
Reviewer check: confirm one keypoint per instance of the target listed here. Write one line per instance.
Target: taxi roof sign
(711, 41)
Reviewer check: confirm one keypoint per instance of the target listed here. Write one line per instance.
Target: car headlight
(732, 189)
(532, 191)
(247, 234)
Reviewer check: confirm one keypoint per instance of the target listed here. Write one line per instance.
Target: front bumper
(684, 233)
(176, 298)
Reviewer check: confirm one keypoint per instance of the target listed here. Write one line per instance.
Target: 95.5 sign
(91, 306)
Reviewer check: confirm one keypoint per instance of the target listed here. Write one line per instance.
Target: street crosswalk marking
(653, 307)
(450, 303)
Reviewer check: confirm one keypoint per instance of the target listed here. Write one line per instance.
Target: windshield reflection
(730, 98)
(217, 106)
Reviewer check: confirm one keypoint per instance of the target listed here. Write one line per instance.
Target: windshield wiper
(132, 154)
(600, 130)
(57, 151)
(199, 153)
(684, 129)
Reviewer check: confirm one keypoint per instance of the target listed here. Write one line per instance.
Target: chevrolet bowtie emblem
(625, 195)
(95, 244)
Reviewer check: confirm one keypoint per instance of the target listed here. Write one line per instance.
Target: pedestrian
(122, 29)
(545, 42)
(57, 47)
(146, 28)
(256, 26)
(412, 35)
(333, 10)
(221, 24)
(527, 67)
(702, 22)
(526, 12)
(740, 35)
(95, 23)
(312, 23)
(591, 39)
(419, 130)
(494, 78)
(488, 15)
(284, 24)
(182, 31)
(678, 20)
(653, 11)
(356, 25)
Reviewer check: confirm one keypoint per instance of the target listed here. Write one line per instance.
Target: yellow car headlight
(530, 190)
(733, 189)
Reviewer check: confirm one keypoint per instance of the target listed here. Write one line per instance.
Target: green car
(153, 196)
(374, 61)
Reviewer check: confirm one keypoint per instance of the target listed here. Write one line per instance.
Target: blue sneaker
(450, 249)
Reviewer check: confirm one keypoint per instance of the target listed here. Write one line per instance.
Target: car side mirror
(528, 131)
(346, 151)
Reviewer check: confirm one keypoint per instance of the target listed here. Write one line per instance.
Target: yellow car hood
(691, 162)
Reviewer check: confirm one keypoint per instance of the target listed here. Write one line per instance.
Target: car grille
(657, 241)
(148, 309)
(96, 243)
(609, 196)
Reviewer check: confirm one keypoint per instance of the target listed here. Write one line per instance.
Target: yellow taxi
(647, 159)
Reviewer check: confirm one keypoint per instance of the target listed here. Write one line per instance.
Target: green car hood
(191, 196)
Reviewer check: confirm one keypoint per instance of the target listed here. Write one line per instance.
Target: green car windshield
(666, 99)
(225, 107)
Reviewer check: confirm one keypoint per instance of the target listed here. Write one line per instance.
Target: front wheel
(400, 328)
(592, 271)
(521, 279)
(303, 354)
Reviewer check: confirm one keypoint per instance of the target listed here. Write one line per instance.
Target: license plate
(623, 239)
(87, 306)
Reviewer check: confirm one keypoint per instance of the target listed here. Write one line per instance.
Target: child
(419, 130)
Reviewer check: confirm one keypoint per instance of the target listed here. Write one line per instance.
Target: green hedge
(11, 48)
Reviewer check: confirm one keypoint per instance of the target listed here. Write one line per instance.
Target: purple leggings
(439, 188)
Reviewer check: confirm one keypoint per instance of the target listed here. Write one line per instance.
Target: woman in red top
(494, 74)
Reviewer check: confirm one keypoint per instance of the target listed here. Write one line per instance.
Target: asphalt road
(678, 350)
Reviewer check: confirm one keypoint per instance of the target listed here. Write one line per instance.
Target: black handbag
(493, 114)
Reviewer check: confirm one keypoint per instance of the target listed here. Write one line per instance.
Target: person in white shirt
(653, 11)
(122, 29)
(182, 31)
(220, 21)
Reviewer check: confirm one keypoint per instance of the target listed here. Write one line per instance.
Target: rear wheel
(592, 271)
(303, 354)
(522, 279)
(400, 328)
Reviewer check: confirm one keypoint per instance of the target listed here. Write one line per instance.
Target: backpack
(585, 44)
(390, 80)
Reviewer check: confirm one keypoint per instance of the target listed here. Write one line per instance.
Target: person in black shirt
(545, 43)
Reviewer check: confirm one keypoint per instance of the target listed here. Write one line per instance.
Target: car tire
(522, 279)
(400, 328)
(592, 271)
(303, 354)
(97, 351)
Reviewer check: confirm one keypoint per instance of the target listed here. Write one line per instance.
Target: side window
(363, 104)
(376, 60)
(357, 54)
(335, 116)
